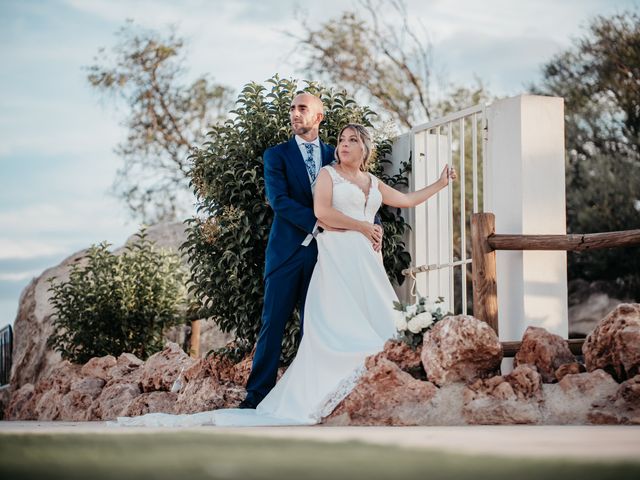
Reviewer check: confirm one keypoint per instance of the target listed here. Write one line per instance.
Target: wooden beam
(485, 290)
(574, 242)
(511, 348)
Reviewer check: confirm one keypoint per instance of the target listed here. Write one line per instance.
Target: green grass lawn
(197, 455)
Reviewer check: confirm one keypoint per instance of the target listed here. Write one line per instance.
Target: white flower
(414, 325)
(411, 310)
(400, 321)
(424, 319)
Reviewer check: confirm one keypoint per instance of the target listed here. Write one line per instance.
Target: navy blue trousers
(284, 288)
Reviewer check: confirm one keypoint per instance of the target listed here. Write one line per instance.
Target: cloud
(41, 235)
(19, 276)
(27, 249)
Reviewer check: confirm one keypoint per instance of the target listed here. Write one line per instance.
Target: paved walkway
(567, 441)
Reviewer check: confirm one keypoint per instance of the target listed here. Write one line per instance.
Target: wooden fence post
(194, 348)
(485, 291)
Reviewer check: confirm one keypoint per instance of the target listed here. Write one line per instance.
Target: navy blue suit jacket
(289, 194)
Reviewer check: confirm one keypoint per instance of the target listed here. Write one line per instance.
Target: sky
(57, 136)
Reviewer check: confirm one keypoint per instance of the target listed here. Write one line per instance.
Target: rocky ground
(453, 380)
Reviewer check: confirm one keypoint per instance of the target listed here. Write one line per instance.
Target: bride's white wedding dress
(348, 316)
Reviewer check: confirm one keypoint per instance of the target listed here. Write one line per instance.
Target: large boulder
(545, 350)
(460, 348)
(384, 395)
(614, 345)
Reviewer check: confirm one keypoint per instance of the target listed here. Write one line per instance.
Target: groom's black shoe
(246, 403)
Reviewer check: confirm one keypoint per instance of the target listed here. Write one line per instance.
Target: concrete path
(604, 442)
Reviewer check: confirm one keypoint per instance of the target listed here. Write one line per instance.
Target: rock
(114, 399)
(32, 358)
(384, 395)
(545, 350)
(151, 402)
(162, 369)
(242, 370)
(204, 394)
(614, 345)
(209, 385)
(573, 398)
(629, 393)
(625, 408)
(405, 357)
(99, 367)
(20, 406)
(460, 348)
(125, 365)
(569, 368)
(75, 405)
(512, 399)
(50, 391)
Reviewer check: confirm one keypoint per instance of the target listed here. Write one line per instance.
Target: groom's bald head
(306, 113)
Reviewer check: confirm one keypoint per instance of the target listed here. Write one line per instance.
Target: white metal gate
(458, 139)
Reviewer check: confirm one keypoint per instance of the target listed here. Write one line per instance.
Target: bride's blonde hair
(363, 136)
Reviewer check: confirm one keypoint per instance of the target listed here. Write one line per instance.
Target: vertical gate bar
(427, 236)
(485, 161)
(450, 222)
(438, 233)
(463, 216)
(474, 151)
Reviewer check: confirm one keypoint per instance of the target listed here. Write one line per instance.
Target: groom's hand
(377, 245)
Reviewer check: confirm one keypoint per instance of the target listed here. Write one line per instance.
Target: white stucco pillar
(524, 186)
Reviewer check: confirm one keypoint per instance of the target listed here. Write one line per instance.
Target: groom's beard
(301, 129)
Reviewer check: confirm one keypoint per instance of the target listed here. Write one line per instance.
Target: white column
(524, 186)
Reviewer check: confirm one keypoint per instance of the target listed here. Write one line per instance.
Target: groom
(290, 170)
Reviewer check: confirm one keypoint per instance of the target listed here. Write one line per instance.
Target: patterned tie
(310, 162)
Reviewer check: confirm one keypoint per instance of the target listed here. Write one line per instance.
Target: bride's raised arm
(394, 198)
(326, 214)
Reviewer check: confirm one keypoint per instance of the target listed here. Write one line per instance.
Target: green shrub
(117, 303)
(227, 240)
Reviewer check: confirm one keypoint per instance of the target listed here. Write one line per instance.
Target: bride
(349, 307)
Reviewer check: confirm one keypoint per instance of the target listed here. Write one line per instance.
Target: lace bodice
(349, 198)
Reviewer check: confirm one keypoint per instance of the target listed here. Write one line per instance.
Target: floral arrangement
(412, 320)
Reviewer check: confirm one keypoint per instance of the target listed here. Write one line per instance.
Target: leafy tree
(226, 242)
(365, 54)
(166, 119)
(598, 78)
(117, 303)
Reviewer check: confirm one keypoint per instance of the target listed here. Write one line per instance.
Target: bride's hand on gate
(447, 173)
(371, 231)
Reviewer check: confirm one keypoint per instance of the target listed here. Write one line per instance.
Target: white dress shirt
(317, 157)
